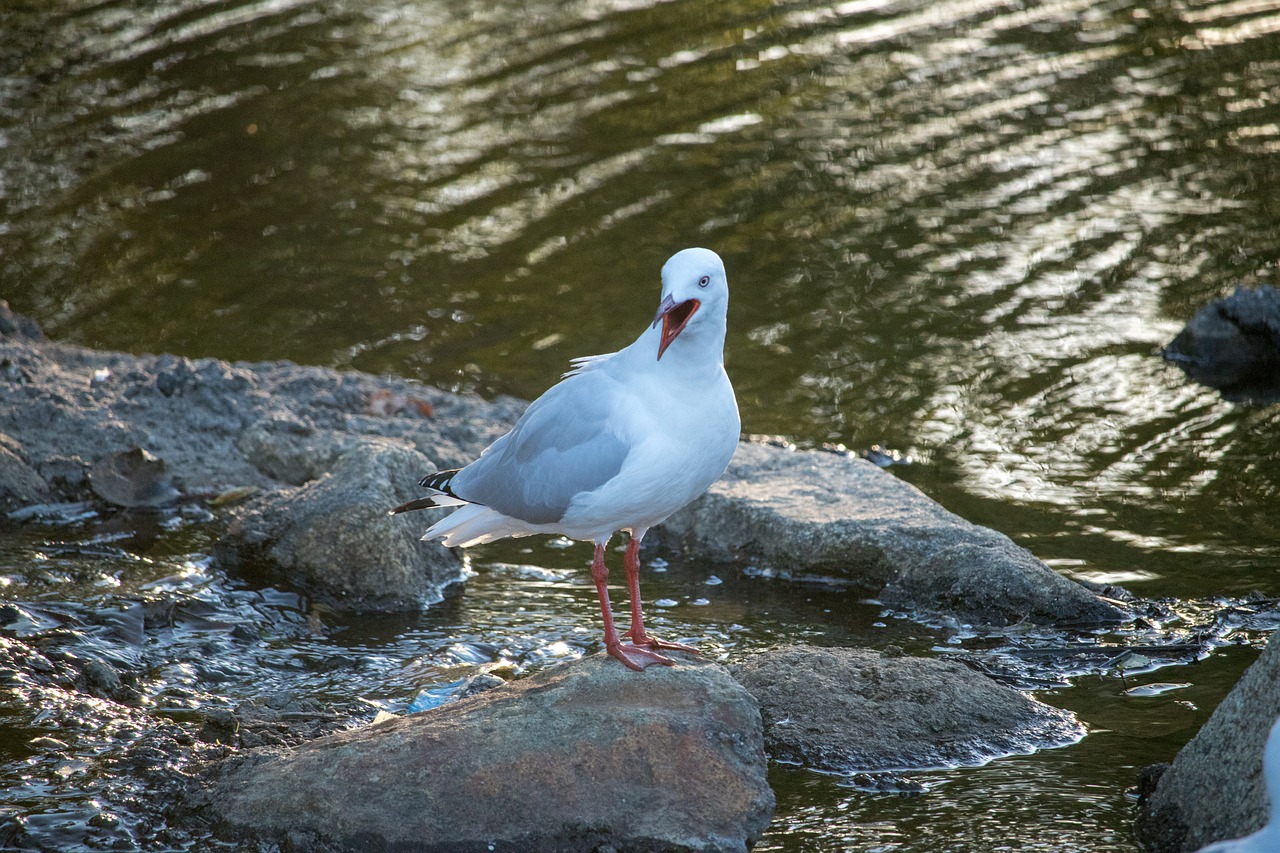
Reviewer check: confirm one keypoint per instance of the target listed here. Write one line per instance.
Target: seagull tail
(475, 525)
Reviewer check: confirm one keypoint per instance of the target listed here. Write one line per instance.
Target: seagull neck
(699, 348)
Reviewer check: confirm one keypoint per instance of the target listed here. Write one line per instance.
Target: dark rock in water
(585, 756)
(334, 538)
(819, 514)
(133, 478)
(1214, 789)
(1233, 344)
(846, 710)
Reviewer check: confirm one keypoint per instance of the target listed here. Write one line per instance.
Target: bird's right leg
(637, 633)
(635, 657)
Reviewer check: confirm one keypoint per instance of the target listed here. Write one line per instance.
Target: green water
(962, 230)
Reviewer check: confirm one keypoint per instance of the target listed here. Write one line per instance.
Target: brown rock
(585, 756)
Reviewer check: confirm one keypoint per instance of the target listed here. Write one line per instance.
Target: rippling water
(959, 229)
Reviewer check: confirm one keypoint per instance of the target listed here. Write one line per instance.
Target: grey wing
(564, 444)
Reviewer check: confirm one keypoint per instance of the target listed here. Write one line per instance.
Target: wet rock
(19, 483)
(1214, 789)
(585, 756)
(846, 710)
(334, 538)
(276, 720)
(220, 428)
(133, 478)
(105, 682)
(797, 513)
(1233, 344)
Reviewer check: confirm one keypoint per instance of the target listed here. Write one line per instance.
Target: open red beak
(674, 317)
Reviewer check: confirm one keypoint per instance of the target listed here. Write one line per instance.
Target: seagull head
(695, 291)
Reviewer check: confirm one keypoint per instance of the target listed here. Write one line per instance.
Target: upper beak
(674, 317)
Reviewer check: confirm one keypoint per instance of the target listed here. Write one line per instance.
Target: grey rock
(133, 478)
(333, 537)
(847, 710)
(1233, 344)
(1214, 789)
(585, 756)
(327, 469)
(19, 483)
(795, 513)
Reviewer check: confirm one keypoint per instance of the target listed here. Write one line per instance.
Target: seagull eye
(704, 281)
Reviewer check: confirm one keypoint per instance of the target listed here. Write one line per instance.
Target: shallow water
(961, 230)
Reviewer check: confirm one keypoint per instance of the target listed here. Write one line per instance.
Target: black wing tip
(439, 481)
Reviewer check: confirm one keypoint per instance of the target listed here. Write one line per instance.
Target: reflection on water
(960, 228)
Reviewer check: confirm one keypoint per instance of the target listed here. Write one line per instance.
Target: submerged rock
(847, 710)
(1233, 344)
(821, 514)
(585, 756)
(1214, 789)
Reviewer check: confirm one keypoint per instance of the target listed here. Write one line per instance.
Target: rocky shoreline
(325, 453)
(298, 465)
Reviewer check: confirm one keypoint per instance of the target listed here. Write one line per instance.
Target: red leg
(632, 656)
(636, 632)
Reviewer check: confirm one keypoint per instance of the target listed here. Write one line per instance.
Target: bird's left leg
(636, 632)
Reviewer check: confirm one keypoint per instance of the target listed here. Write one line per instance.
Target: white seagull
(622, 442)
(1267, 839)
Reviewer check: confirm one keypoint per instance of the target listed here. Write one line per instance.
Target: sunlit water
(962, 230)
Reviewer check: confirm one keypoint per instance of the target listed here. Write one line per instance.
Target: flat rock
(1233, 344)
(585, 756)
(796, 513)
(854, 710)
(1214, 789)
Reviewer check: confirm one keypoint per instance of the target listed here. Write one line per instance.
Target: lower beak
(674, 316)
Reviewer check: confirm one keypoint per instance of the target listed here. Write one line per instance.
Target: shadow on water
(962, 229)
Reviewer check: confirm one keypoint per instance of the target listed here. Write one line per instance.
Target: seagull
(620, 443)
(1267, 839)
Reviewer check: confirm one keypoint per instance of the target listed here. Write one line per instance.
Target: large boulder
(798, 513)
(1214, 789)
(585, 756)
(845, 710)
